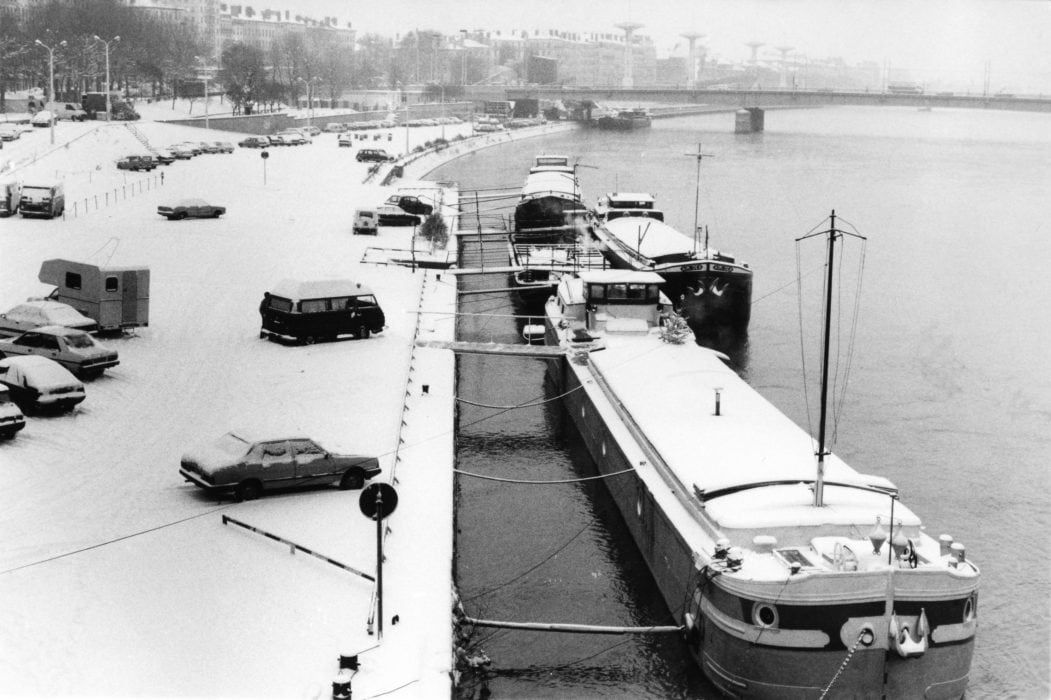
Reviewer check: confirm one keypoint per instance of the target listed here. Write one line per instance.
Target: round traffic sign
(380, 497)
(264, 154)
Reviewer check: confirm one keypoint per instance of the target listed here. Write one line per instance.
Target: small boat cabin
(596, 302)
(620, 204)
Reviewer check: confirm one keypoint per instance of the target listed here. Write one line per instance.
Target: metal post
(51, 82)
(109, 111)
(206, 102)
(379, 564)
(819, 486)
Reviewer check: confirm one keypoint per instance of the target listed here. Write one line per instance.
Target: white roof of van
(318, 289)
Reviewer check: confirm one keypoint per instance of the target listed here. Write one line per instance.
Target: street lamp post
(51, 86)
(115, 39)
(204, 77)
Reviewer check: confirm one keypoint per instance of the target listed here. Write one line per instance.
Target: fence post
(96, 202)
(125, 188)
(107, 199)
(74, 210)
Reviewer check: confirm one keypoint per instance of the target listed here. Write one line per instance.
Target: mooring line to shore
(487, 477)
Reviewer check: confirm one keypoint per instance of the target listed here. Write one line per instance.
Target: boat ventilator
(902, 639)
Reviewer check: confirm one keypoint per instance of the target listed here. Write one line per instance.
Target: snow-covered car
(11, 418)
(37, 313)
(224, 147)
(181, 151)
(334, 128)
(246, 464)
(209, 147)
(187, 208)
(294, 138)
(37, 383)
(163, 156)
(310, 130)
(9, 133)
(193, 146)
(41, 118)
(346, 139)
(75, 350)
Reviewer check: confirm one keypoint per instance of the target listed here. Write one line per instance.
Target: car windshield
(232, 445)
(80, 340)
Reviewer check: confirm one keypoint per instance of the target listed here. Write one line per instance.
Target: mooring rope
(528, 404)
(534, 481)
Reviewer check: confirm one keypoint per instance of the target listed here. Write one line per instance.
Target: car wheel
(248, 491)
(262, 334)
(363, 332)
(181, 215)
(216, 215)
(352, 479)
(309, 340)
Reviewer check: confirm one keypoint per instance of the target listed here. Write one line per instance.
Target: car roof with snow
(57, 330)
(318, 289)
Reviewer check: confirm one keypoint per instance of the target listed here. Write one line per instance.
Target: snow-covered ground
(119, 578)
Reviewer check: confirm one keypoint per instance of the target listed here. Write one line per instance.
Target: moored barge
(551, 207)
(778, 597)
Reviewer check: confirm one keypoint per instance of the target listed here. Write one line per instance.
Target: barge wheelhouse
(708, 287)
(778, 597)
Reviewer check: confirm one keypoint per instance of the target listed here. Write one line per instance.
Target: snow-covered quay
(119, 578)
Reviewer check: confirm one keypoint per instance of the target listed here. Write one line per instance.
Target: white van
(366, 222)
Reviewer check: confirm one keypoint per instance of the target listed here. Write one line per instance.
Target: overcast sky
(937, 39)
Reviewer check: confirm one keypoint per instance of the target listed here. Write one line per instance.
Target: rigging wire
(577, 480)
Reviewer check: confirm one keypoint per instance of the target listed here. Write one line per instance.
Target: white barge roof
(669, 391)
(551, 182)
(657, 238)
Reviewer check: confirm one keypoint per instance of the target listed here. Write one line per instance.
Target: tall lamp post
(114, 40)
(204, 76)
(51, 87)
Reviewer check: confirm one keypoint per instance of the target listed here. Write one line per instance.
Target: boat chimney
(946, 544)
(959, 552)
(718, 395)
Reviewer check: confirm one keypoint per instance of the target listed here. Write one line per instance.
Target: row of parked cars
(46, 349)
(177, 151)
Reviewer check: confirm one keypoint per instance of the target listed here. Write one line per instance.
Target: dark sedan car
(75, 350)
(254, 142)
(246, 465)
(185, 208)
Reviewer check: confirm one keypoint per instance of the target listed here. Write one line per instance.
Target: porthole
(764, 615)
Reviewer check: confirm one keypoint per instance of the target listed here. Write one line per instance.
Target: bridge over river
(734, 98)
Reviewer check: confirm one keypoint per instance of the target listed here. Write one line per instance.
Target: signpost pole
(379, 564)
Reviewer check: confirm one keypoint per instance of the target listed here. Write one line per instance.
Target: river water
(949, 391)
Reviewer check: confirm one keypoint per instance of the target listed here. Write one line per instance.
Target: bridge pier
(749, 121)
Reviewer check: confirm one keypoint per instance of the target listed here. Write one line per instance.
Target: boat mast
(819, 485)
(697, 198)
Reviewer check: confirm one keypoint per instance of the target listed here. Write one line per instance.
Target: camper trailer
(116, 297)
(10, 194)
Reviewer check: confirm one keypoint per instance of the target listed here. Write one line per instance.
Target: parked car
(66, 110)
(224, 147)
(310, 130)
(254, 142)
(334, 128)
(247, 464)
(196, 208)
(293, 137)
(41, 118)
(136, 163)
(46, 199)
(38, 384)
(163, 156)
(181, 152)
(346, 139)
(11, 418)
(193, 146)
(373, 155)
(277, 140)
(366, 222)
(410, 204)
(209, 147)
(38, 313)
(9, 133)
(75, 350)
(402, 210)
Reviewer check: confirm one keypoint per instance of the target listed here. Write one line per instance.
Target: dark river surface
(949, 390)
